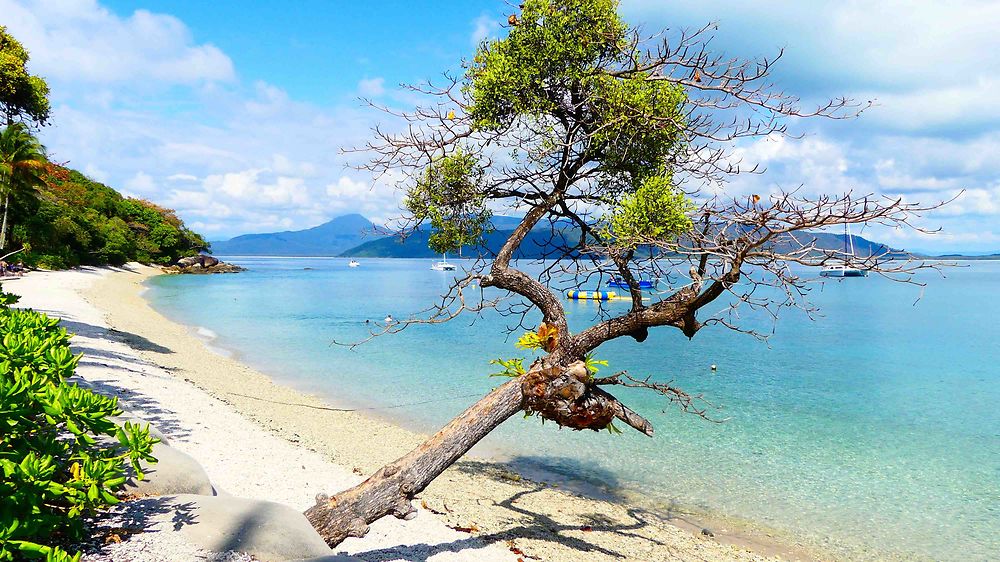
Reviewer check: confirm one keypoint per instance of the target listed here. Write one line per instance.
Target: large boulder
(202, 264)
(174, 472)
(268, 531)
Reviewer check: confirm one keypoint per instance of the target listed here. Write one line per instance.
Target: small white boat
(443, 265)
(845, 269)
(353, 263)
(842, 271)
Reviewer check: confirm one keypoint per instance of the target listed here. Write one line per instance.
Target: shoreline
(546, 522)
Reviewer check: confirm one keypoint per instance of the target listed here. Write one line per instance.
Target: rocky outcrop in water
(201, 264)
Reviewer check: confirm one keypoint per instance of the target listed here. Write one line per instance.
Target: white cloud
(974, 201)
(347, 188)
(891, 42)
(483, 28)
(81, 41)
(141, 183)
(142, 105)
(95, 173)
(817, 164)
(283, 165)
(889, 177)
(371, 87)
(929, 64)
(969, 103)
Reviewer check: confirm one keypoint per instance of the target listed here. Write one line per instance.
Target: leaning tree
(616, 147)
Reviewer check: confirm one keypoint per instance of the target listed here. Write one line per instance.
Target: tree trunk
(3, 228)
(390, 490)
(565, 394)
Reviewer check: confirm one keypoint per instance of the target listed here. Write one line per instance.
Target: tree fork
(390, 490)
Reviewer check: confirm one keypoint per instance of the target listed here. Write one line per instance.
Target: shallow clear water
(872, 431)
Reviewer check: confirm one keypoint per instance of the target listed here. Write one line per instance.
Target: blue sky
(233, 112)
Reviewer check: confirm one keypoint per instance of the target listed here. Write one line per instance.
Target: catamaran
(845, 269)
(443, 265)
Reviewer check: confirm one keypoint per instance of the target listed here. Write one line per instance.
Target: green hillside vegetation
(77, 221)
(55, 217)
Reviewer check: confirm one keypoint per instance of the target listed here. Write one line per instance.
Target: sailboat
(845, 269)
(443, 265)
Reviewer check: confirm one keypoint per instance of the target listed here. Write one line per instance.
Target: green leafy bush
(77, 221)
(61, 455)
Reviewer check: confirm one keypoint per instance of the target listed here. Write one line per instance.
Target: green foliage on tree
(77, 221)
(61, 455)
(23, 96)
(562, 99)
(556, 46)
(653, 212)
(451, 197)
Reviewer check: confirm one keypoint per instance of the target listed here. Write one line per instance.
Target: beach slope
(260, 440)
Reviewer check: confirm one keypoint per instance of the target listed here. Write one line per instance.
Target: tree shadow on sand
(134, 341)
(143, 407)
(539, 526)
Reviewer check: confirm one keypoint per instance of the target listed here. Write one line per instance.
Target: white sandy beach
(260, 440)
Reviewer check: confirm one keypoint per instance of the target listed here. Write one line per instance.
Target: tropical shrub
(61, 455)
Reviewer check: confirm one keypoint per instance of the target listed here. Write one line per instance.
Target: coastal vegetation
(56, 217)
(62, 456)
(576, 117)
(74, 220)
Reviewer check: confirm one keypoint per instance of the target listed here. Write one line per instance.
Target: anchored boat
(845, 269)
(443, 265)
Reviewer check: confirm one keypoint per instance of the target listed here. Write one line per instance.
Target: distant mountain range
(328, 239)
(355, 236)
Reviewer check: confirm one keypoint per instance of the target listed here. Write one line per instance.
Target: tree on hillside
(24, 97)
(22, 163)
(576, 118)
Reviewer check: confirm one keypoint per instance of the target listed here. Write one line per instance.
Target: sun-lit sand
(258, 439)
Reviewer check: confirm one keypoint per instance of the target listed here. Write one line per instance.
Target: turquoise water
(873, 431)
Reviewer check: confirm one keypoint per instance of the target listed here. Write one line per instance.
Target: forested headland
(55, 217)
(74, 220)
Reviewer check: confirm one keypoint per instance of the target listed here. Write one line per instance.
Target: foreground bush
(61, 455)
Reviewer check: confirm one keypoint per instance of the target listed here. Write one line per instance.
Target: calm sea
(872, 431)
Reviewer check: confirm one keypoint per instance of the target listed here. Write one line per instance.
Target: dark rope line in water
(355, 409)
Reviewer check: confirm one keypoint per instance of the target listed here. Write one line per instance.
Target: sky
(234, 113)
